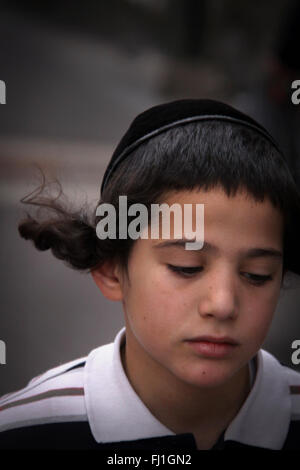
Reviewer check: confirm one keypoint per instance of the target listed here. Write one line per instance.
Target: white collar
(116, 413)
(264, 418)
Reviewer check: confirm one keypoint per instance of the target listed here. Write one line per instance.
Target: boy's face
(165, 311)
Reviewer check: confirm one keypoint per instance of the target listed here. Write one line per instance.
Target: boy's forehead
(236, 218)
(216, 199)
(209, 195)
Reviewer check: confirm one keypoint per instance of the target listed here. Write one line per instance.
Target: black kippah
(165, 116)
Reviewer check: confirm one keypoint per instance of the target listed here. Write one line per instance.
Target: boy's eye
(258, 278)
(185, 270)
(188, 271)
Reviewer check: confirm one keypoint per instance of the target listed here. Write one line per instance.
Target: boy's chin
(211, 376)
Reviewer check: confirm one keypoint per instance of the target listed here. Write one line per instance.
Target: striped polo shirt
(89, 403)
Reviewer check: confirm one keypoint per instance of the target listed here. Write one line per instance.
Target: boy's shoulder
(293, 379)
(53, 395)
(292, 441)
(53, 408)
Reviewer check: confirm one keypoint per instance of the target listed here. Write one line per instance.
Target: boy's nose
(218, 297)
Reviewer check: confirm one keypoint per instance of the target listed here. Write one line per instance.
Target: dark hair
(191, 156)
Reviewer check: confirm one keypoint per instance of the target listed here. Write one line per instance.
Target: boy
(187, 371)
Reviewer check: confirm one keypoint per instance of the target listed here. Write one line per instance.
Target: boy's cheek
(156, 318)
(255, 326)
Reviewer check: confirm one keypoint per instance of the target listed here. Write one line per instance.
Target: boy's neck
(185, 408)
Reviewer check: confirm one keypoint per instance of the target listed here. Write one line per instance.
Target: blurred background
(76, 75)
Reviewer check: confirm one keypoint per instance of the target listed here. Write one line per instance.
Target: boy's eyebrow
(208, 247)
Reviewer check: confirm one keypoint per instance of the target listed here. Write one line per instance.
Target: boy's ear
(108, 278)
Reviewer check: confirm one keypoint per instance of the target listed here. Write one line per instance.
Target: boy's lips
(213, 346)
(214, 339)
